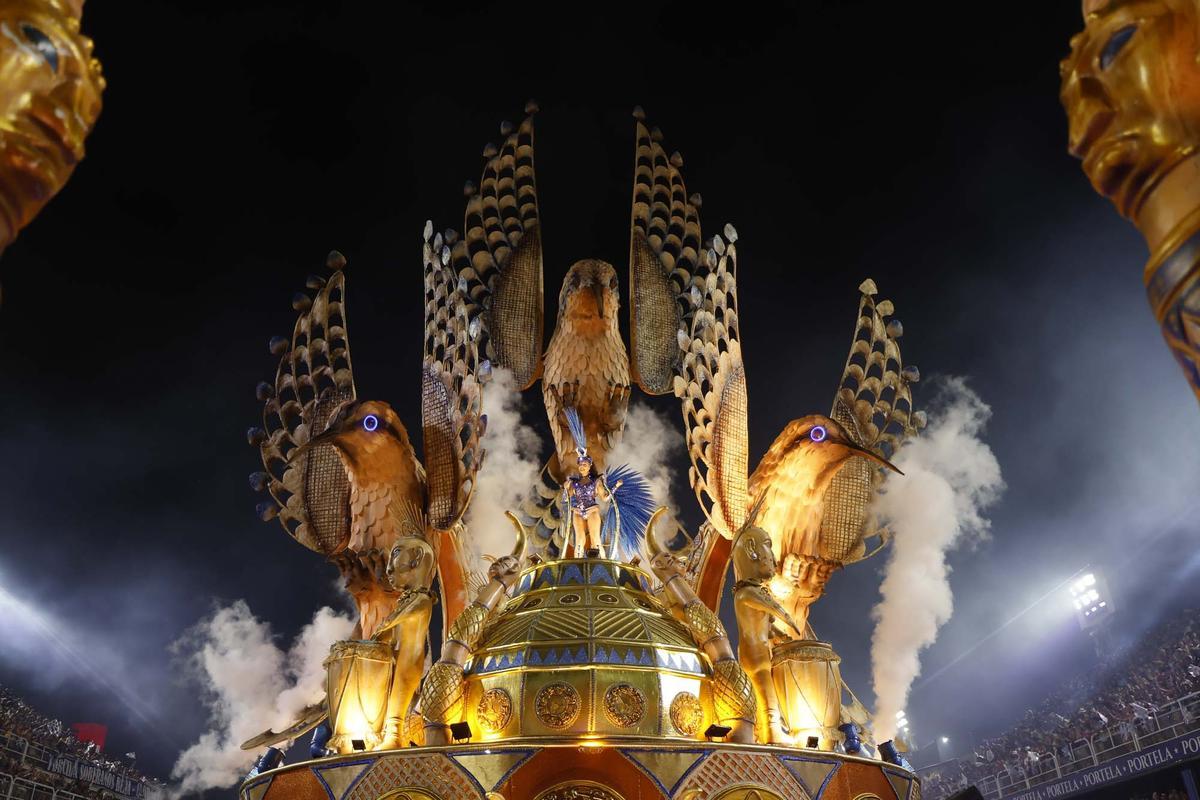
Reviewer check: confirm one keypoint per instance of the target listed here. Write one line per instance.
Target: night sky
(240, 142)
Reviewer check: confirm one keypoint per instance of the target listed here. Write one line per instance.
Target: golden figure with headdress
(50, 88)
(1131, 89)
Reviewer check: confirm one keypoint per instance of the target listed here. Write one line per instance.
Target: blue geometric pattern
(600, 576)
(571, 574)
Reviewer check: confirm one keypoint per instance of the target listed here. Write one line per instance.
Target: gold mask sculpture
(1131, 89)
(50, 89)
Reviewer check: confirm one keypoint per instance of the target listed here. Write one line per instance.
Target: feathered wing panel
(499, 259)
(664, 247)
(874, 404)
(315, 377)
(712, 388)
(452, 419)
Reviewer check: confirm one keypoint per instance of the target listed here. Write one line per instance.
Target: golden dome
(583, 648)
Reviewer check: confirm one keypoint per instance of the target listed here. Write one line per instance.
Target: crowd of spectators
(19, 719)
(1120, 698)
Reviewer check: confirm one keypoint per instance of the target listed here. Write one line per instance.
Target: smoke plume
(510, 466)
(249, 684)
(646, 445)
(950, 479)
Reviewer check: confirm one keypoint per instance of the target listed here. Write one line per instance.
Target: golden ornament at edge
(624, 705)
(495, 710)
(557, 705)
(686, 713)
(579, 790)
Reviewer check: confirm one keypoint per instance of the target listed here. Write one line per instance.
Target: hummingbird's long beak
(598, 290)
(871, 455)
(328, 437)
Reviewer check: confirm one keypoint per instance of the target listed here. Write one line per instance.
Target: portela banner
(1175, 751)
(84, 771)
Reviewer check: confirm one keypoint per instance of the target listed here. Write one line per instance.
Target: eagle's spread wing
(874, 404)
(452, 421)
(664, 247)
(311, 493)
(499, 258)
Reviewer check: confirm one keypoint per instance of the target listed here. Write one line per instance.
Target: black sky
(239, 142)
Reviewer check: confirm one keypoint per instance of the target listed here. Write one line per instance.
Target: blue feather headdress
(577, 431)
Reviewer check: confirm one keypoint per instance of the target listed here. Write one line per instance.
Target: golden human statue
(733, 696)
(442, 690)
(1131, 90)
(410, 571)
(757, 612)
(50, 88)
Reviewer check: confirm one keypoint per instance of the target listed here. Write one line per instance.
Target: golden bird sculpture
(342, 473)
(586, 366)
(812, 489)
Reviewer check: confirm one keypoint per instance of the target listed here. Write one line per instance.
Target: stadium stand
(1146, 694)
(40, 759)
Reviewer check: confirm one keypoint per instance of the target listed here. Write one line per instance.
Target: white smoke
(950, 478)
(249, 684)
(510, 466)
(646, 445)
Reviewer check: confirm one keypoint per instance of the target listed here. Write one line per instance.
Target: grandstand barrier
(48, 760)
(1113, 755)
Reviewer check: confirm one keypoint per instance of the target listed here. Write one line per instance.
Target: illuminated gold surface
(590, 625)
(557, 705)
(494, 710)
(410, 571)
(686, 713)
(579, 790)
(1131, 90)
(50, 88)
(756, 610)
(358, 676)
(808, 685)
(1134, 111)
(624, 705)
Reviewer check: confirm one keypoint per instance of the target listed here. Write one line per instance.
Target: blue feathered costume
(630, 505)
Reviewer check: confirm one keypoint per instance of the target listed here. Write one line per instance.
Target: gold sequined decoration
(557, 705)
(495, 710)
(733, 696)
(624, 705)
(686, 713)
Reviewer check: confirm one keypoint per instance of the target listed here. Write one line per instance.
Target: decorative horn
(522, 536)
(651, 539)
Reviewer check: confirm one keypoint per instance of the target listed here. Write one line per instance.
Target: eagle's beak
(599, 292)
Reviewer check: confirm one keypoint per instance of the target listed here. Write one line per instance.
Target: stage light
(1089, 595)
(714, 732)
(461, 732)
(945, 740)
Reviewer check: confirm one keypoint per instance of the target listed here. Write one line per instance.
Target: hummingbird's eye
(41, 42)
(818, 433)
(370, 422)
(1115, 42)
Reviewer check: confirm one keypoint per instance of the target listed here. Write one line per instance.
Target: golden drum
(358, 678)
(808, 685)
